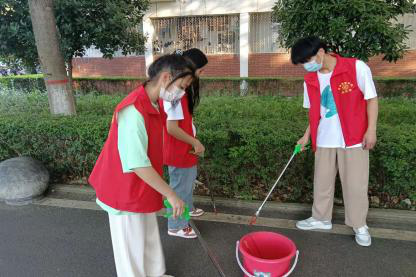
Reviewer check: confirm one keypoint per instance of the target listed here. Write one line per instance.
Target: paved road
(52, 241)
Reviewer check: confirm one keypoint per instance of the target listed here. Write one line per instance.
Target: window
(263, 34)
(211, 34)
(409, 20)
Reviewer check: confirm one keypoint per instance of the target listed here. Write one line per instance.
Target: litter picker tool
(207, 250)
(208, 185)
(211, 193)
(203, 243)
(297, 150)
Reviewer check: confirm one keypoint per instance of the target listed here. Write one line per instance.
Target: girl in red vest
(127, 175)
(181, 147)
(342, 101)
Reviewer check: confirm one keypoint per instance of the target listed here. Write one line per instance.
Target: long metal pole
(278, 179)
(207, 250)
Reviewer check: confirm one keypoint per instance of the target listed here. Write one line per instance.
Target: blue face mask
(312, 66)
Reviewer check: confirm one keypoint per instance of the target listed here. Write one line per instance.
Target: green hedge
(22, 83)
(213, 86)
(248, 141)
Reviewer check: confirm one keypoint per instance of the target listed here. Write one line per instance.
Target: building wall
(405, 67)
(228, 65)
(272, 65)
(276, 63)
(119, 66)
(279, 65)
(207, 7)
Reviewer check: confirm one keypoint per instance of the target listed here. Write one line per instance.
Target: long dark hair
(198, 60)
(192, 92)
(177, 65)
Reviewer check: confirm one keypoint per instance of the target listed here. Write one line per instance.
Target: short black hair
(306, 48)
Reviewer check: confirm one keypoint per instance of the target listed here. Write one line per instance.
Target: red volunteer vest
(126, 191)
(176, 152)
(349, 100)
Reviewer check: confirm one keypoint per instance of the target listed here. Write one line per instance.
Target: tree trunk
(61, 98)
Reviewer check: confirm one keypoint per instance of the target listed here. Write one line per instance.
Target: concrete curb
(391, 215)
(339, 229)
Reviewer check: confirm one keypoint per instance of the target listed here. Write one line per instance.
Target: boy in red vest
(127, 175)
(342, 101)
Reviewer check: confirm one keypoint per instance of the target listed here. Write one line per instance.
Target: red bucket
(266, 254)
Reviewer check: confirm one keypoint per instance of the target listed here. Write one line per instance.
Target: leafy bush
(248, 142)
(359, 28)
(213, 86)
(22, 83)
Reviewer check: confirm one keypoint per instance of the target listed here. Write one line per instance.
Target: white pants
(136, 244)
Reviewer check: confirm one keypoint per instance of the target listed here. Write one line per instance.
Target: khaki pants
(353, 167)
(136, 244)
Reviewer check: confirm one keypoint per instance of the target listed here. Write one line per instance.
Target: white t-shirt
(329, 129)
(174, 111)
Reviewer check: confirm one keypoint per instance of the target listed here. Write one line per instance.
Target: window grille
(409, 20)
(211, 34)
(263, 34)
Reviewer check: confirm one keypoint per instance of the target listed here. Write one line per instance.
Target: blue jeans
(182, 182)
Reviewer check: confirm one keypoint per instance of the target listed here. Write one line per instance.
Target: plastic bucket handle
(249, 275)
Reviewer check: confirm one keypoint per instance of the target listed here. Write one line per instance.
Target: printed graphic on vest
(345, 87)
(174, 103)
(328, 102)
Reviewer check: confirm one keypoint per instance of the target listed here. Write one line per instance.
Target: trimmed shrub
(22, 83)
(210, 86)
(248, 142)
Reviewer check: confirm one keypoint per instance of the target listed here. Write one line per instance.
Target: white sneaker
(312, 223)
(197, 212)
(187, 233)
(166, 275)
(362, 236)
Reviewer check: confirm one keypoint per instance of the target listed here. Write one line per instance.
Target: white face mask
(313, 66)
(171, 95)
